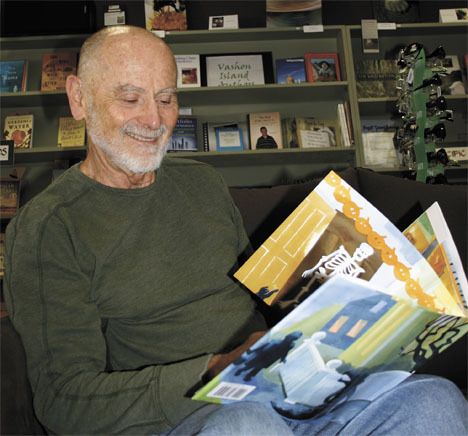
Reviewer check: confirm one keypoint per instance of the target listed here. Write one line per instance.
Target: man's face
(263, 131)
(133, 108)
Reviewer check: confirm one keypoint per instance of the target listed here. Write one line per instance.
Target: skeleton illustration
(340, 262)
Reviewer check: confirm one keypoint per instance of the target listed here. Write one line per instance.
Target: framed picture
(7, 150)
(9, 197)
(237, 69)
(322, 67)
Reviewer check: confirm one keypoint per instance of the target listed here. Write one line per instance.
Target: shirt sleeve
(51, 306)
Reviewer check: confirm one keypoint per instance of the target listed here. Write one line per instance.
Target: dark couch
(263, 209)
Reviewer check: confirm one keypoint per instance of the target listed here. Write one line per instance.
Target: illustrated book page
(334, 231)
(346, 340)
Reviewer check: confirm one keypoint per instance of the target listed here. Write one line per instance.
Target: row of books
(20, 129)
(55, 68)
(259, 131)
(265, 130)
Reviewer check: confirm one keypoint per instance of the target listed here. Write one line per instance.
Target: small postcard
(220, 22)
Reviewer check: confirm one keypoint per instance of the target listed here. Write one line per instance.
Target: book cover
(348, 338)
(265, 130)
(229, 138)
(343, 123)
(9, 197)
(210, 141)
(367, 308)
(290, 70)
(376, 77)
(165, 15)
(13, 76)
(55, 69)
(188, 71)
(322, 67)
(184, 136)
(289, 132)
(377, 143)
(315, 133)
(19, 129)
(71, 132)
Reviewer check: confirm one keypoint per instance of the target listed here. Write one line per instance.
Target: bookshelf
(223, 104)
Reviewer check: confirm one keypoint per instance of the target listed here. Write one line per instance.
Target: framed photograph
(9, 197)
(237, 69)
(322, 67)
(7, 150)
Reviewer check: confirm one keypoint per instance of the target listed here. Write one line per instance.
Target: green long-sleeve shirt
(120, 296)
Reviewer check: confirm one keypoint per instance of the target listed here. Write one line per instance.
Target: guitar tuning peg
(438, 131)
(438, 53)
(440, 103)
(434, 80)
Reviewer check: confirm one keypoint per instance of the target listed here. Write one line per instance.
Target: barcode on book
(231, 391)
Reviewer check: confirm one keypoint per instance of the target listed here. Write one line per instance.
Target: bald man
(118, 273)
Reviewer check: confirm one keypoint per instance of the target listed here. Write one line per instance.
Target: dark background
(25, 18)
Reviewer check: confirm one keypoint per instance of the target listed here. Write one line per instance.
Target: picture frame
(236, 69)
(322, 67)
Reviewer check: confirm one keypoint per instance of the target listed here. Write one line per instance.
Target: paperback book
(364, 308)
(19, 129)
(290, 70)
(55, 69)
(71, 132)
(13, 75)
(188, 71)
(377, 143)
(265, 130)
(376, 77)
(165, 15)
(215, 135)
(316, 133)
(9, 197)
(184, 136)
(229, 137)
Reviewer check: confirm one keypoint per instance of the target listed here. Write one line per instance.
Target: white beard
(122, 156)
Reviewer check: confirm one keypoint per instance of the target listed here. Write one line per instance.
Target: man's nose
(149, 116)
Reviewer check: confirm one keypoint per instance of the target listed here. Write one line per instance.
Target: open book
(368, 305)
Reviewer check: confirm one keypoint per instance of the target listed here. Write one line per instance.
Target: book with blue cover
(13, 75)
(290, 70)
(364, 306)
(184, 136)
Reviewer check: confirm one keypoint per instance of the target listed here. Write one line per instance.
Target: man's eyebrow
(133, 88)
(167, 91)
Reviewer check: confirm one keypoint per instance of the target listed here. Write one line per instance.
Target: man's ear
(75, 97)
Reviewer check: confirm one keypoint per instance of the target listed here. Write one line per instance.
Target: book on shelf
(377, 143)
(19, 129)
(9, 197)
(289, 132)
(456, 154)
(188, 71)
(13, 75)
(364, 308)
(290, 70)
(165, 15)
(7, 153)
(184, 136)
(216, 135)
(229, 137)
(71, 132)
(457, 15)
(345, 129)
(265, 130)
(55, 68)
(376, 77)
(237, 69)
(322, 67)
(317, 133)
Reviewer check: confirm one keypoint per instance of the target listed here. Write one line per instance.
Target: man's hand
(219, 361)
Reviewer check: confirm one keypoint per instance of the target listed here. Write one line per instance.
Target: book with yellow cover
(365, 307)
(71, 132)
(19, 129)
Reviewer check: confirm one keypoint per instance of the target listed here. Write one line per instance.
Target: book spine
(206, 144)
(343, 125)
(349, 122)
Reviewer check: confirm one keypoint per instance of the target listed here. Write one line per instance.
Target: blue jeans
(420, 405)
